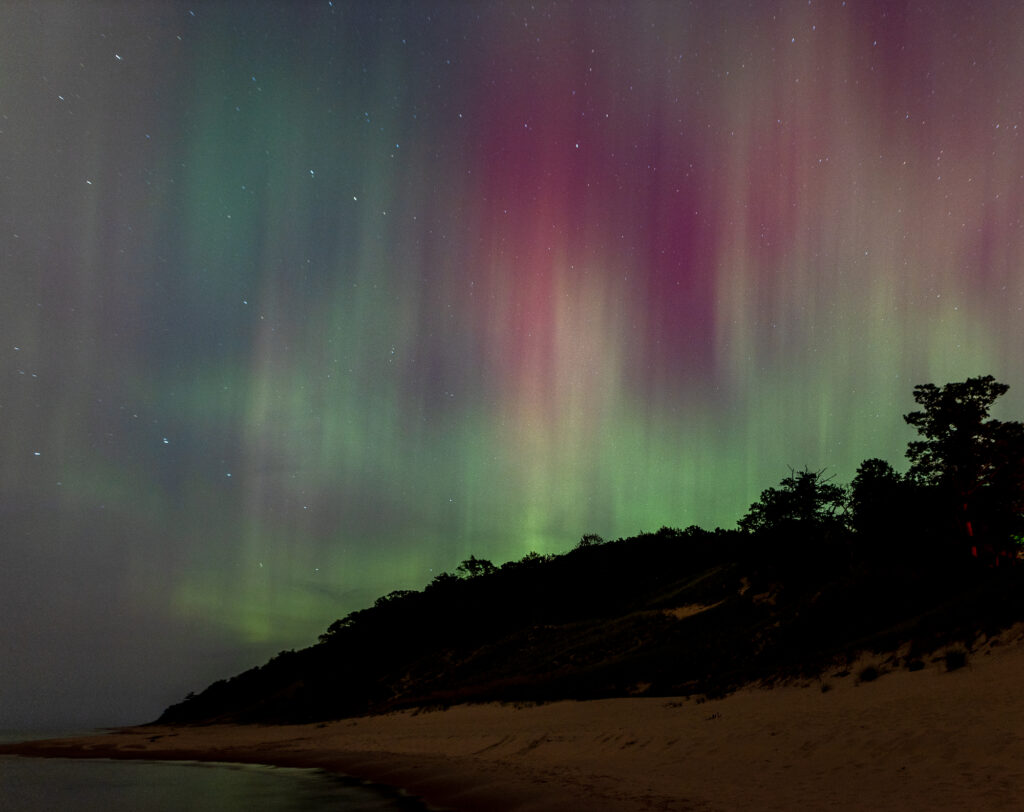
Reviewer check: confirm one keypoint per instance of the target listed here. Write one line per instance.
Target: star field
(307, 302)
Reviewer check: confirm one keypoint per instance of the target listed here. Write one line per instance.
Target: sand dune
(928, 739)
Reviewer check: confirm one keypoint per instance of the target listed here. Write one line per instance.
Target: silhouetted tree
(875, 497)
(894, 520)
(589, 540)
(474, 567)
(975, 463)
(997, 505)
(443, 581)
(956, 451)
(804, 499)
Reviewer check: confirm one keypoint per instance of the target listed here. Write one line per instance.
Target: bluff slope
(666, 613)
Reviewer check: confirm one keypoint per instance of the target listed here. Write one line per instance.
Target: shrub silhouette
(955, 659)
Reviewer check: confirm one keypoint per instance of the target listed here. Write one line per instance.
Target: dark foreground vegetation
(815, 574)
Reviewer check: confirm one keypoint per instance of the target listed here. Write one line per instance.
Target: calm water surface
(104, 785)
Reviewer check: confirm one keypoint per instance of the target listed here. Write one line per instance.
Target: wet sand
(929, 739)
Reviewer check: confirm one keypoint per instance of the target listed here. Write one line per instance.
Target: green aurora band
(310, 302)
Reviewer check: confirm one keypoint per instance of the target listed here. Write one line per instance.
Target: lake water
(104, 785)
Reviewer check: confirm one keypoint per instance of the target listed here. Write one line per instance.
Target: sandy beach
(928, 739)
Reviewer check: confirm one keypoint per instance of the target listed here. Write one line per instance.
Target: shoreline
(924, 739)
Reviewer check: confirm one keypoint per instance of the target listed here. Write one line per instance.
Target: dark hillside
(816, 574)
(667, 613)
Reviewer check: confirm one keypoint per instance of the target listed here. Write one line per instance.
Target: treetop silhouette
(804, 499)
(956, 451)
(976, 463)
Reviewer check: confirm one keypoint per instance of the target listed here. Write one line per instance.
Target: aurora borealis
(305, 302)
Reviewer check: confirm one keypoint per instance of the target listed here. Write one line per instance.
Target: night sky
(305, 302)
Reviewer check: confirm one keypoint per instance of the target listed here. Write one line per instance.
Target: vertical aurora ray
(316, 301)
